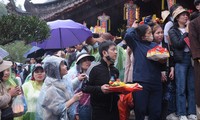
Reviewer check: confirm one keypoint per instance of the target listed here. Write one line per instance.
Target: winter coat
(5, 97)
(194, 36)
(104, 106)
(178, 43)
(145, 70)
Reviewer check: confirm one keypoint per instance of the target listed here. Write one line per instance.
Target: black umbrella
(34, 52)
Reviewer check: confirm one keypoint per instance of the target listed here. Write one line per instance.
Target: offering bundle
(118, 86)
(157, 53)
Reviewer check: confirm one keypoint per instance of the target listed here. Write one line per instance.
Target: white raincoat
(54, 94)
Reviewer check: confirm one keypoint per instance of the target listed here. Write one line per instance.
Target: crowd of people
(73, 84)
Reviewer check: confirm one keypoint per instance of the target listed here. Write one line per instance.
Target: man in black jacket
(103, 101)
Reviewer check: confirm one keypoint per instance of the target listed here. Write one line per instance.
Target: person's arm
(4, 100)
(171, 73)
(90, 86)
(127, 65)
(6, 97)
(166, 30)
(75, 98)
(55, 101)
(177, 41)
(75, 83)
(129, 37)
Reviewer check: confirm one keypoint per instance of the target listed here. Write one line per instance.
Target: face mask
(149, 38)
(96, 45)
(110, 59)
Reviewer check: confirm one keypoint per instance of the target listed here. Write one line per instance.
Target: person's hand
(105, 88)
(77, 117)
(171, 74)
(135, 24)
(81, 76)
(77, 96)
(14, 91)
(199, 60)
(187, 27)
(163, 76)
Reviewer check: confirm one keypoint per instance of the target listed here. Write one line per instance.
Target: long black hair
(141, 30)
(1, 75)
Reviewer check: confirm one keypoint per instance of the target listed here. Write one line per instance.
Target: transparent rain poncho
(73, 84)
(31, 92)
(52, 100)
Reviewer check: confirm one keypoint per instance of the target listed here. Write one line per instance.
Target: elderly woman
(77, 73)
(55, 99)
(6, 94)
(32, 90)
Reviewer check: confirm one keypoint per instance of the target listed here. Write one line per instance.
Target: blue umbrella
(64, 33)
(3, 53)
(34, 52)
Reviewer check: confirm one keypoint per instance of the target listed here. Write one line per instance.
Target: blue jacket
(144, 70)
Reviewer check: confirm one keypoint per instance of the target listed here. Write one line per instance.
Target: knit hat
(4, 64)
(178, 11)
(84, 55)
(165, 14)
(196, 2)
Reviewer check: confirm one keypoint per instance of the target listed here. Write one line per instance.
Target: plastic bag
(126, 88)
(19, 106)
(125, 104)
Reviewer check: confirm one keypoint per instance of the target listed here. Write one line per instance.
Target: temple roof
(47, 10)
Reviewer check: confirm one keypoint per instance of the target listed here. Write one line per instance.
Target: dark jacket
(194, 36)
(99, 75)
(145, 70)
(170, 60)
(178, 43)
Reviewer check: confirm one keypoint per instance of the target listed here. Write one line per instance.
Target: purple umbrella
(64, 33)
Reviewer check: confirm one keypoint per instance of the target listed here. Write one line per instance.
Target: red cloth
(187, 41)
(125, 104)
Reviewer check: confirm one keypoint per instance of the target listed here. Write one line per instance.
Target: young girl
(146, 72)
